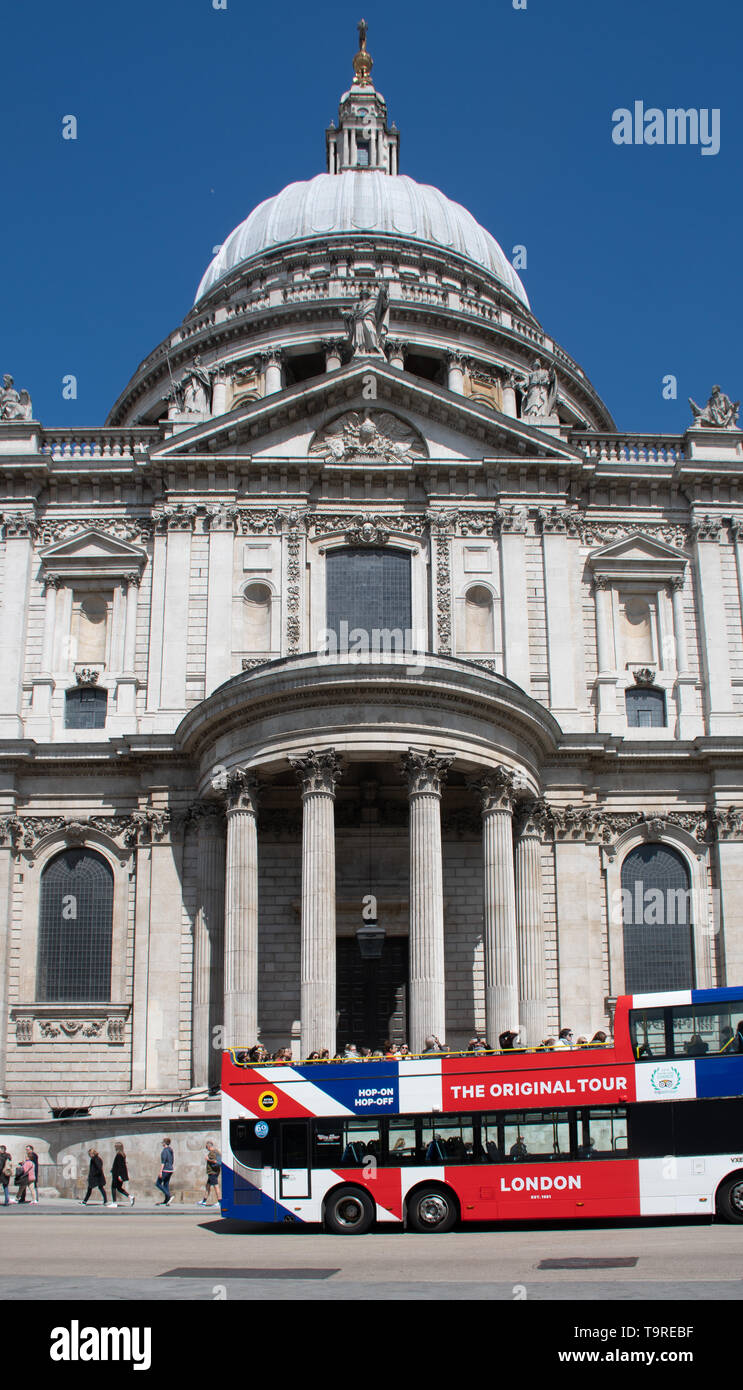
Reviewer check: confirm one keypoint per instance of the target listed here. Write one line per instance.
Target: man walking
(6, 1168)
(167, 1164)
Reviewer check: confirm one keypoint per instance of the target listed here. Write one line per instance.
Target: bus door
(295, 1159)
(254, 1145)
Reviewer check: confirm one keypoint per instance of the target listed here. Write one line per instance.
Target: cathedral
(360, 679)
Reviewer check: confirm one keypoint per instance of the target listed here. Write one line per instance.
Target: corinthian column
(317, 774)
(241, 911)
(529, 932)
(496, 792)
(426, 774)
(208, 943)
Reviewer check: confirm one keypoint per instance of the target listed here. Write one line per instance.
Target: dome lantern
(362, 139)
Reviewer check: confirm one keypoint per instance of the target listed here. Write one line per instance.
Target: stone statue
(366, 329)
(539, 391)
(197, 390)
(719, 413)
(14, 405)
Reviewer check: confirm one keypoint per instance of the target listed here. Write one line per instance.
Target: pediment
(432, 424)
(92, 552)
(637, 554)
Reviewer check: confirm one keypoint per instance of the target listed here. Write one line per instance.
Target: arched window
(85, 708)
(75, 927)
(257, 618)
(368, 591)
(656, 909)
(646, 708)
(478, 620)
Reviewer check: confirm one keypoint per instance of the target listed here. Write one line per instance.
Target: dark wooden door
(372, 994)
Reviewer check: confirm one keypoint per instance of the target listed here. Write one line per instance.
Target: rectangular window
(603, 1133)
(362, 154)
(448, 1139)
(708, 1127)
(363, 1141)
(648, 1033)
(707, 1030)
(651, 1130)
(328, 1144)
(536, 1135)
(402, 1144)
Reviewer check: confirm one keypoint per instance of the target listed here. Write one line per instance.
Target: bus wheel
(431, 1209)
(730, 1199)
(349, 1212)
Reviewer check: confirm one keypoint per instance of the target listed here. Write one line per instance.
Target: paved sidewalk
(51, 1205)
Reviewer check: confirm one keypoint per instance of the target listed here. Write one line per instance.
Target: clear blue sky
(189, 116)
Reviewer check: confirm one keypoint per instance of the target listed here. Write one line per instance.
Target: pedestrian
(33, 1181)
(6, 1168)
(119, 1175)
(21, 1181)
(96, 1178)
(167, 1165)
(213, 1174)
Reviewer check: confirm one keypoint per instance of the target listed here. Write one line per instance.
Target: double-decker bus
(650, 1125)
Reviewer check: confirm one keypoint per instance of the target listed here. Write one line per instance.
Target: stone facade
(249, 789)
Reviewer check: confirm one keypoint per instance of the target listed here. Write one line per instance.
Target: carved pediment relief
(367, 437)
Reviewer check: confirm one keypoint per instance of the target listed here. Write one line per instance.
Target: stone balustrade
(89, 444)
(631, 448)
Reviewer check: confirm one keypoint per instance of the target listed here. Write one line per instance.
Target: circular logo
(665, 1080)
(261, 1129)
(268, 1100)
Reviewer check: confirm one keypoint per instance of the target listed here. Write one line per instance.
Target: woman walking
(21, 1181)
(96, 1178)
(33, 1177)
(119, 1175)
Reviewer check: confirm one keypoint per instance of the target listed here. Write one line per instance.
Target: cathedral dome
(362, 201)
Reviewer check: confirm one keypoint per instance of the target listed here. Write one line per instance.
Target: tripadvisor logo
(76, 1343)
(665, 1080)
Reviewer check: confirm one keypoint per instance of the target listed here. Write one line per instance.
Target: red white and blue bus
(651, 1125)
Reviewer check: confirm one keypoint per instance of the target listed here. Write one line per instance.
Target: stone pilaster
(496, 792)
(317, 773)
(208, 944)
(219, 596)
(721, 717)
(426, 774)
(529, 930)
(20, 531)
(241, 910)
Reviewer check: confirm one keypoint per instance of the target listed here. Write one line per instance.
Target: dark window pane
(85, 708)
(368, 599)
(75, 924)
(708, 1126)
(651, 1130)
(328, 1144)
(656, 907)
(294, 1145)
(448, 1140)
(645, 708)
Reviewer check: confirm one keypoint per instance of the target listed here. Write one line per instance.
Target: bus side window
(648, 1033)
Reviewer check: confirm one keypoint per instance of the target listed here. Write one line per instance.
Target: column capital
(317, 771)
(425, 771)
(51, 581)
(239, 788)
(496, 789)
(530, 819)
(677, 583)
(601, 582)
(706, 528)
(132, 580)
